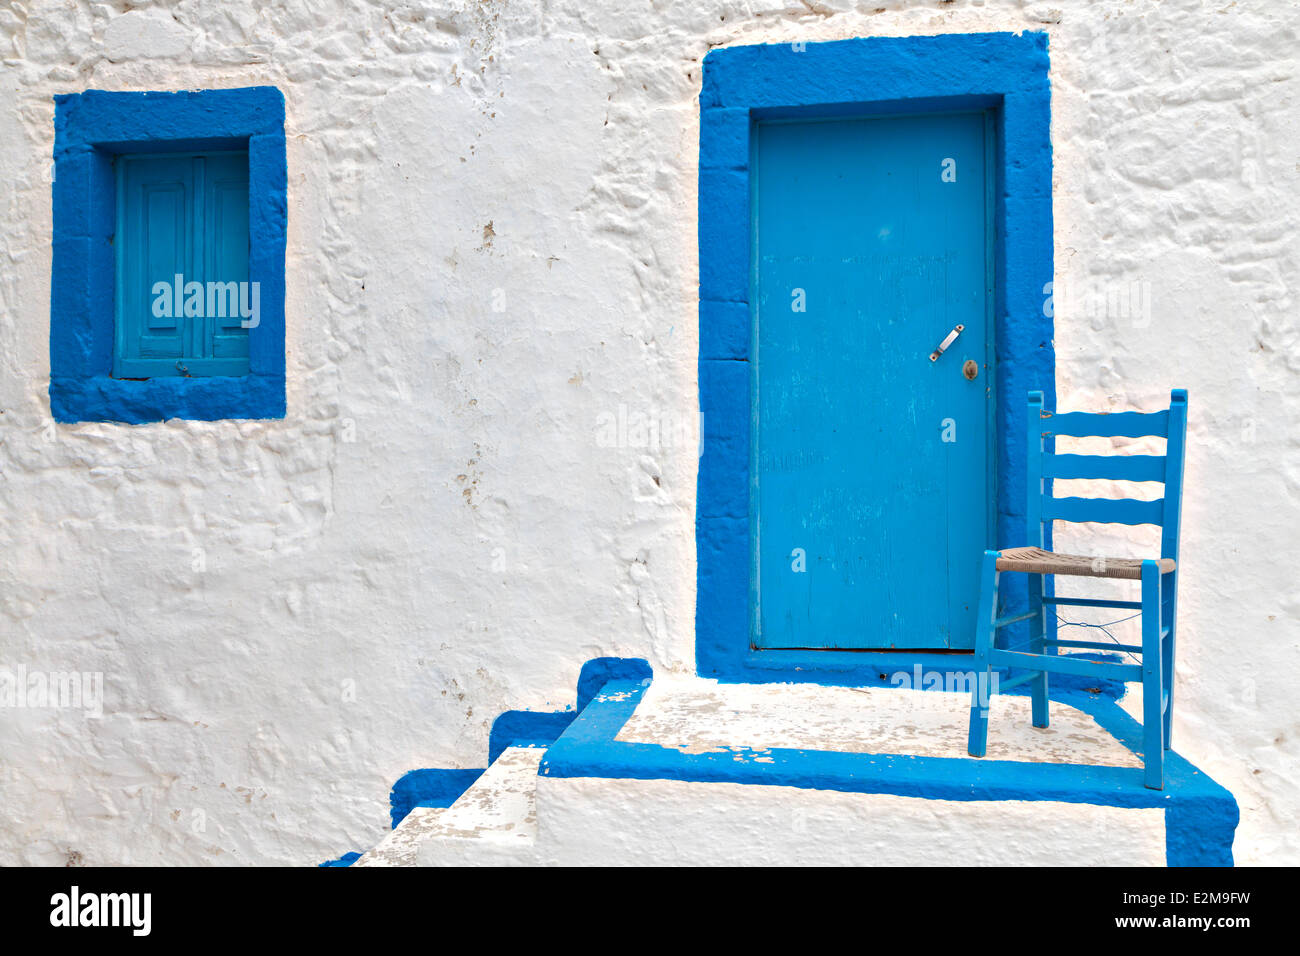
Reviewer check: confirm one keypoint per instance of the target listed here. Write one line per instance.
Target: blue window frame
(1002, 74)
(167, 288)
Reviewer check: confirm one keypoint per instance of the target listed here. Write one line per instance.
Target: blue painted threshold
(1200, 815)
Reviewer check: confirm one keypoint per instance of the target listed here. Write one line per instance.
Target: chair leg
(1169, 587)
(1153, 672)
(982, 685)
(1038, 685)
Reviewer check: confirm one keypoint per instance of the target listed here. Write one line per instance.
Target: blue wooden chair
(1159, 577)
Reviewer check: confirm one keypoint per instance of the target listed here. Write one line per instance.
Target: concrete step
(495, 819)
(589, 820)
(400, 846)
(517, 817)
(687, 771)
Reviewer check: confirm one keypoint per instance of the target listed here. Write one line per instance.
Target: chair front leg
(1153, 673)
(982, 684)
(1038, 684)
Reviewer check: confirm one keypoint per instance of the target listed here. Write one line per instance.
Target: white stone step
(400, 845)
(587, 820)
(631, 821)
(514, 816)
(495, 820)
(519, 818)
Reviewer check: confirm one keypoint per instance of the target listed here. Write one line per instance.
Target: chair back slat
(1044, 465)
(1106, 424)
(1104, 510)
(1114, 467)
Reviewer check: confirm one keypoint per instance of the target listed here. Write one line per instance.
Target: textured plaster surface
(491, 255)
(702, 716)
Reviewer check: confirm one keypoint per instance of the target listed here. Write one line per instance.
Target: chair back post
(1034, 489)
(1175, 452)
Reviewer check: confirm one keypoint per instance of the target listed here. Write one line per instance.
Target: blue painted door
(182, 221)
(872, 487)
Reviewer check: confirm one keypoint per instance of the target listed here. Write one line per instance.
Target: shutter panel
(226, 255)
(186, 216)
(154, 244)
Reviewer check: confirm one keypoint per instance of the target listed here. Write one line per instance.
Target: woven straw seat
(1038, 561)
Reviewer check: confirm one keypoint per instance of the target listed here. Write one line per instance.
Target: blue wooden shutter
(155, 223)
(225, 257)
(186, 216)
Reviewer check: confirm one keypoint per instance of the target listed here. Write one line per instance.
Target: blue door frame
(1003, 74)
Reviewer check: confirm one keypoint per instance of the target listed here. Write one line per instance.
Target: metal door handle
(943, 346)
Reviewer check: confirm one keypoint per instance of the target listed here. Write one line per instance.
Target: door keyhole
(970, 370)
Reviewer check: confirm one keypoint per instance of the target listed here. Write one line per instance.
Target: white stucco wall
(491, 249)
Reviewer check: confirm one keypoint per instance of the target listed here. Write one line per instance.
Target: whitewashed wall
(491, 250)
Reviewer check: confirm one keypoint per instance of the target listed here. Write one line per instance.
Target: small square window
(167, 286)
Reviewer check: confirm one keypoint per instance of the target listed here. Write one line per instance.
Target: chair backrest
(1044, 464)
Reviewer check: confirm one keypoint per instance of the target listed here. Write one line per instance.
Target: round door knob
(970, 370)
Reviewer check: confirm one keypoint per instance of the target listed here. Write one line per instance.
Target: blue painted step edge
(532, 728)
